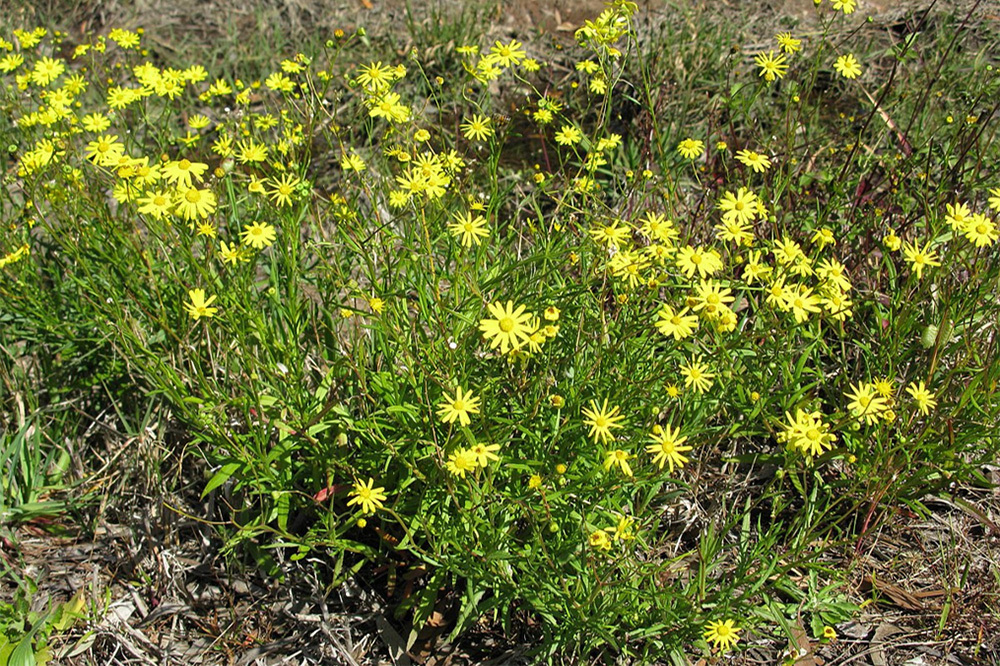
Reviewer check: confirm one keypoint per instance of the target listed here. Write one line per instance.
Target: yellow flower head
(459, 407)
(601, 420)
(368, 498)
(198, 305)
(723, 635)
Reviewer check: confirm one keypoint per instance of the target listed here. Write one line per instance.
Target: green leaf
(220, 477)
(24, 653)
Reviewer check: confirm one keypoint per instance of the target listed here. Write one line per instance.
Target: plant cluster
(616, 377)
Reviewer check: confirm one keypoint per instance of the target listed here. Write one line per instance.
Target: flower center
(193, 196)
(506, 324)
(184, 164)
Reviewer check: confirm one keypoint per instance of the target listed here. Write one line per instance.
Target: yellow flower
(741, 206)
(279, 82)
(892, 241)
(755, 269)
(46, 71)
(697, 376)
(462, 461)
(125, 39)
(691, 148)
(924, 398)
(848, 66)
(368, 498)
(258, 235)
(759, 163)
(771, 67)
(352, 162)
(667, 445)
(11, 62)
(95, 122)
(677, 324)
(994, 199)
(510, 327)
(981, 231)
(802, 302)
(477, 128)
(250, 151)
(106, 151)
(787, 43)
(823, 237)
(610, 234)
(599, 540)
(920, 257)
(618, 458)
(623, 530)
(182, 173)
(507, 54)
(193, 203)
(712, 299)
(485, 453)
(693, 260)
(568, 136)
(807, 432)
(156, 203)
(283, 189)
(602, 420)
(957, 216)
(723, 635)
(469, 228)
(376, 77)
(231, 254)
(458, 408)
(199, 306)
(865, 402)
(734, 230)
